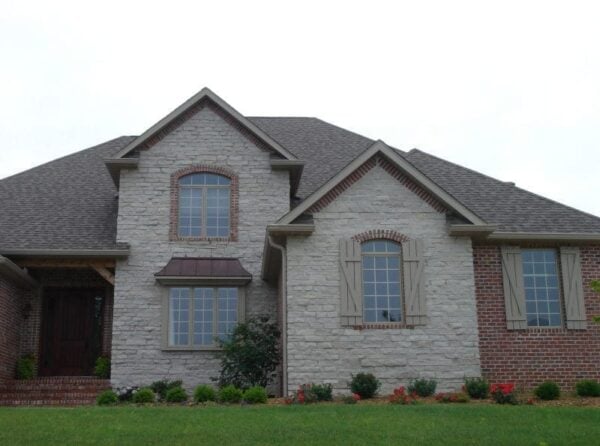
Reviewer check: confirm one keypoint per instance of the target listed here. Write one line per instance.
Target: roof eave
(115, 165)
(570, 237)
(471, 230)
(117, 253)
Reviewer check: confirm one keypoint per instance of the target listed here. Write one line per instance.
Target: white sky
(511, 89)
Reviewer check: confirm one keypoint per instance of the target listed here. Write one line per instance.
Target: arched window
(204, 205)
(382, 300)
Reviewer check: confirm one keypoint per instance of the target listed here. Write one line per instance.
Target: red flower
(356, 396)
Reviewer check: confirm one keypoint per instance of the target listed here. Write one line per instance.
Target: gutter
(13, 272)
(61, 253)
(545, 236)
(284, 360)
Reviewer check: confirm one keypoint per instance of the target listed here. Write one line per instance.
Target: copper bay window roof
(203, 269)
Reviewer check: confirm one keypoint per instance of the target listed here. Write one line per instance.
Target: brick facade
(531, 356)
(11, 315)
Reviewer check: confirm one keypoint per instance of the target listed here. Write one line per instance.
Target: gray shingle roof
(71, 203)
(68, 203)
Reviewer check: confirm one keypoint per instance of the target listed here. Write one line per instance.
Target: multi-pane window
(204, 200)
(198, 316)
(542, 297)
(381, 281)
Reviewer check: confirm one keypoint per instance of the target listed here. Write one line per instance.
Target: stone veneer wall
(320, 350)
(144, 208)
(11, 306)
(531, 356)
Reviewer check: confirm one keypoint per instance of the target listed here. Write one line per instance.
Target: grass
(302, 425)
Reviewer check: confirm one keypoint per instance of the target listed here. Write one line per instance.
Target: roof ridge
(79, 152)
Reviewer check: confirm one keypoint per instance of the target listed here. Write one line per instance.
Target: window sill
(380, 326)
(207, 348)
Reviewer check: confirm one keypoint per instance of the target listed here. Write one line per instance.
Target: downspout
(284, 362)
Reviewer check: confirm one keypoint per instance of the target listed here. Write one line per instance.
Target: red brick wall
(10, 321)
(531, 356)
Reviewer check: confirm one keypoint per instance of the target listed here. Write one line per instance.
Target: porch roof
(209, 269)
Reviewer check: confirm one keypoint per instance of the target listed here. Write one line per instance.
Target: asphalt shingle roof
(71, 203)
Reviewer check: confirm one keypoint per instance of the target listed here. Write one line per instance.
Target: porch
(61, 315)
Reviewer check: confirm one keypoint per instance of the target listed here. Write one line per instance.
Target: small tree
(250, 355)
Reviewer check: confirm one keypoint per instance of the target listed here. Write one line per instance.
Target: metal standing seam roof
(204, 267)
(71, 202)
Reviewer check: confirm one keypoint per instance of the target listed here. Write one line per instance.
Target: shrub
(102, 367)
(107, 398)
(504, 393)
(126, 393)
(144, 395)
(351, 399)
(477, 388)
(399, 396)
(176, 395)
(204, 393)
(365, 385)
(323, 392)
(160, 388)
(26, 367)
(255, 395)
(587, 387)
(452, 397)
(305, 395)
(230, 394)
(422, 387)
(548, 390)
(250, 355)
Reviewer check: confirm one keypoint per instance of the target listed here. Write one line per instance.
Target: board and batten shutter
(570, 261)
(514, 288)
(413, 262)
(351, 306)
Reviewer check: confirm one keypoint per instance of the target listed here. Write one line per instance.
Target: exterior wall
(10, 318)
(144, 215)
(531, 356)
(320, 350)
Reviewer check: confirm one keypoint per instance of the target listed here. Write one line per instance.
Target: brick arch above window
(374, 234)
(233, 204)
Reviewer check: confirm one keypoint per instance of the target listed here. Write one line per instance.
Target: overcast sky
(511, 90)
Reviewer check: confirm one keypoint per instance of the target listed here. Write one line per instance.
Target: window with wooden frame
(196, 317)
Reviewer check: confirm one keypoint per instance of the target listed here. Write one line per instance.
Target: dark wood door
(71, 331)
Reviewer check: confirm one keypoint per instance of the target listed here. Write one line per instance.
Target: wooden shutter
(414, 282)
(514, 289)
(570, 262)
(351, 307)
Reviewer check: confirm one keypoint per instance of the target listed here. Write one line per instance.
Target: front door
(71, 331)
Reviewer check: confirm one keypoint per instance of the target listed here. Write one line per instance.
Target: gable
(379, 167)
(204, 98)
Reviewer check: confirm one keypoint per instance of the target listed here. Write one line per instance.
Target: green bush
(102, 367)
(548, 390)
(477, 388)
(587, 387)
(323, 392)
(160, 388)
(144, 395)
(255, 395)
(422, 387)
(230, 394)
(107, 398)
(365, 385)
(250, 355)
(176, 395)
(26, 367)
(204, 393)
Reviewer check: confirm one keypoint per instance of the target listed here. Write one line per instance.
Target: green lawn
(307, 425)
